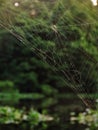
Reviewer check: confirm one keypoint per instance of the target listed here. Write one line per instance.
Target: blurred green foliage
(89, 118)
(47, 49)
(33, 33)
(6, 86)
(11, 115)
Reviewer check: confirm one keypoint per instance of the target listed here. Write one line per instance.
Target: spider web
(59, 52)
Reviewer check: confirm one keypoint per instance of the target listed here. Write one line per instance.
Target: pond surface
(57, 107)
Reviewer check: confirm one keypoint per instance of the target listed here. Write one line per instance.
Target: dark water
(51, 126)
(59, 108)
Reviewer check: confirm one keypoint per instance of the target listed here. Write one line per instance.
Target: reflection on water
(59, 108)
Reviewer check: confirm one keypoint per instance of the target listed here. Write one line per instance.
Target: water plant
(11, 115)
(89, 118)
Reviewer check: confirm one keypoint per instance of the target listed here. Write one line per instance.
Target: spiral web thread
(71, 73)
